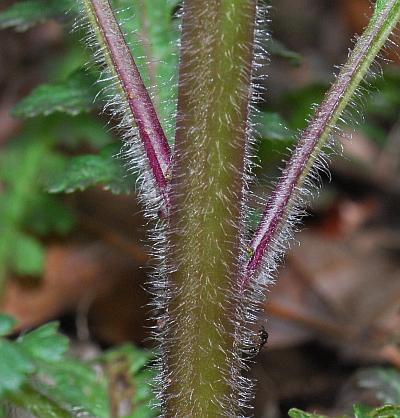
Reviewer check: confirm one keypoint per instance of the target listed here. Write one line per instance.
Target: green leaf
(44, 343)
(387, 411)
(298, 104)
(136, 358)
(39, 405)
(77, 384)
(7, 323)
(277, 49)
(143, 395)
(275, 137)
(73, 96)
(25, 14)
(361, 411)
(74, 131)
(27, 257)
(383, 100)
(297, 413)
(26, 165)
(15, 366)
(47, 215)
(36, 376)
(143, 411)
(273, 127)
(128, 363)
(90, 170)
(21, 185)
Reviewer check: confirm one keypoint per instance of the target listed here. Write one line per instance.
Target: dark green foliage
(25, 14)
(90, 170)
(44, 343)
(32, 164)
(81, 130)
(383, 101)
(20, 359)
(296, 413)
(7, 323)
(75, 95)
(38, 375)
(26, 255)
(14, 367)
(275, 136)
(27, 399)
(20, 166)
(297, 104)
(273, 127)
(47, 215)
(359, 411)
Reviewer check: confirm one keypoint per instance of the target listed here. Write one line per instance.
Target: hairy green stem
(206, 196)
(315, 137)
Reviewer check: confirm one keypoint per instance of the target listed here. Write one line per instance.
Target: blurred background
(73, 240)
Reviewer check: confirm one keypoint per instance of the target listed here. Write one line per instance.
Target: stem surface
(206, 195)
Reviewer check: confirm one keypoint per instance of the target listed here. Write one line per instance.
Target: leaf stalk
(121, 63)
(316, 136)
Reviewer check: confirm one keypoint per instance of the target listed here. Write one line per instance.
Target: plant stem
(206, 202)
(120, 62)
(315, 137)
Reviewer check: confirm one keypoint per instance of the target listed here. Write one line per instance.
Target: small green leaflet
(27, 255)
(137, 359)
(270, 125)
(89, 170)
(20, 186)
(7, 323)
(18, 360)
(386, 411)
(28, 398)
(44, 343)
(48, 215)
(73, 96)
(297, 413)
(15, 366)
(359, 411)
(75, 383)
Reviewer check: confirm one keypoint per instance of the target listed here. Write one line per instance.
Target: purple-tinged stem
(316, 135)
(118, 55)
